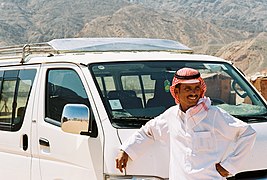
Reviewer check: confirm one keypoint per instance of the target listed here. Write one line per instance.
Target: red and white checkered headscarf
(187, 75)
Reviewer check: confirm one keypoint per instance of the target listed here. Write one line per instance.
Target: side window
(132, 83)
(149, 86)
(144, 85)
(106, 84)
(15, 90)
(63, 86)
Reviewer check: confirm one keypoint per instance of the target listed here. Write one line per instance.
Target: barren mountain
(203, 36)
(24, 21)
(248, 15)
(231, 29)
(147, 22)
(249, 55)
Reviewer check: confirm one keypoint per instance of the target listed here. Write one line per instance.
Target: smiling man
(199, 134)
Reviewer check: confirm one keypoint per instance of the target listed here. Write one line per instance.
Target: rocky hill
(23, 21)
(232, 29)
(249, 55)
(148, 22)
(248, 15)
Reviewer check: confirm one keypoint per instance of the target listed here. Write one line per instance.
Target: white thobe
(197, 142)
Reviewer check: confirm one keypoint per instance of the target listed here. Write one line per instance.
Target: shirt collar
(194, 115)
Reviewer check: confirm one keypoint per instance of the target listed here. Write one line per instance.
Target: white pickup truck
(67, 105)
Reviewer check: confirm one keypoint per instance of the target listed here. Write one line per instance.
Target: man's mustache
(193, 96)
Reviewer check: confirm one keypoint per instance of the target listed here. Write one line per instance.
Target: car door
(15, 121)
(64, 155)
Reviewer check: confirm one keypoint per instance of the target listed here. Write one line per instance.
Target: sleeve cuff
(130, 152)
(229, 167)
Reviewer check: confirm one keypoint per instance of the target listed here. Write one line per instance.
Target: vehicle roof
(87, 58)
(93, 50)
(117, 44)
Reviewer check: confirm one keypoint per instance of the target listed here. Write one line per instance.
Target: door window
(63, 86)
(15, 90)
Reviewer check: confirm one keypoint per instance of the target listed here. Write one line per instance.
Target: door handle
(44, 142)
(25, 142)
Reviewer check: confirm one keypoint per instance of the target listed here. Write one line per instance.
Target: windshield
(135, 92)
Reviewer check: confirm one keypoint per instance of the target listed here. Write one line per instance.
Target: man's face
(188, 94)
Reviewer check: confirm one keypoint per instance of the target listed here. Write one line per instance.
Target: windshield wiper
(133, 122)
(252, 119)
(135, 118)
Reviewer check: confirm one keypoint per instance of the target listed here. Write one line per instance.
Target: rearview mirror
(75, 118)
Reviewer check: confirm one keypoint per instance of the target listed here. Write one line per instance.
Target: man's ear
(176, 90)
(202, 93)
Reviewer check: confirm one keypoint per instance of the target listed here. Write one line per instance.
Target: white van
(67, 105)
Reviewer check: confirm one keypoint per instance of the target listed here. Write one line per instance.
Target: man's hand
(223, 172)
(121, 160)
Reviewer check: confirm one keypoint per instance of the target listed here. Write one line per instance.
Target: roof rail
(20, 52)
(72, 45)
(36, 49)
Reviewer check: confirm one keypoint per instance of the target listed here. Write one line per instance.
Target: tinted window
(15, 90)
(64, 86)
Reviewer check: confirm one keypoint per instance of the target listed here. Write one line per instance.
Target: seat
(161, 97)
(128, 99)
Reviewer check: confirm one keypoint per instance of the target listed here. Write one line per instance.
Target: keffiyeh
(187, 75)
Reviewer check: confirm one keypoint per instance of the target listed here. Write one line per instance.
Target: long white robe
(197, 141)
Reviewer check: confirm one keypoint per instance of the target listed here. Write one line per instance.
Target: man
(200, 135)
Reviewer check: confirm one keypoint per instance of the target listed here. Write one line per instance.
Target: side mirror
(75, 118)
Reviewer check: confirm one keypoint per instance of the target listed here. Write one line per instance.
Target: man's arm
(243, 136)
(243, 145)
(155, 129)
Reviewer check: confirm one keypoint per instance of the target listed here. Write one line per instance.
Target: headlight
(110, 177)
